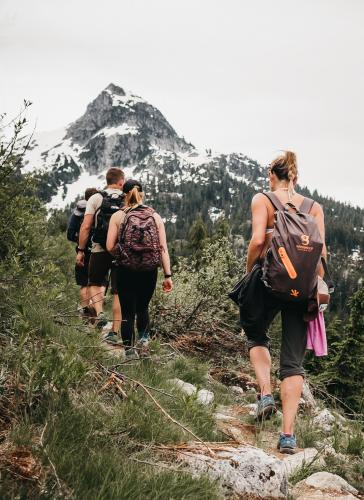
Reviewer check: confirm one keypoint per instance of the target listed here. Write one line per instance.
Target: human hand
(80, 259)
(167, 285)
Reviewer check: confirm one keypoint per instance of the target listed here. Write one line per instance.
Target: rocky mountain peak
(114, 89)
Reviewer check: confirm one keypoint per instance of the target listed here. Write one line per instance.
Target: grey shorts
(294, 334)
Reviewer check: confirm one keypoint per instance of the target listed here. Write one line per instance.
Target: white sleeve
(93, 204)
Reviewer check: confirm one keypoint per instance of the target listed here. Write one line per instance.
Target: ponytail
(133, 197)
(285, 168)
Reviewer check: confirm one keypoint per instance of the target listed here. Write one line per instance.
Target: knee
(257, 341)
(290, 371)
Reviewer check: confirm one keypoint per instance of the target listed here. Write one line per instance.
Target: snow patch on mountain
(128, 100)
(70, 192)
(41, 142)
(123, 129)
(216, 213)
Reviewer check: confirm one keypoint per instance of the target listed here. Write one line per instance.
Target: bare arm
(259, 225)
(85, 230)
(83, 238)
(166, 263)
(113, 232)
(318, 213)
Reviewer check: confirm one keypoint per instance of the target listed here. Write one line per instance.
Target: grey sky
(234, 75)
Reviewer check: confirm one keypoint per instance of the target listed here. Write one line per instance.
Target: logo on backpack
(305, 239)
(139, 245)
(292, 261)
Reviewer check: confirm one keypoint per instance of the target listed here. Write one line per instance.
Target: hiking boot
(143, 345)
(266, 407)
(144, 339)
(287, 443)
(101, 321)
(113, 338)
(131, 353)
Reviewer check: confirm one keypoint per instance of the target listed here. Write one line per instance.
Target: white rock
(236, 389)
(184, 387)
(253, 406)
(297, 460)
(244, 471)
(325, 420)
(324, 485)
(205, 397)
(309, 400)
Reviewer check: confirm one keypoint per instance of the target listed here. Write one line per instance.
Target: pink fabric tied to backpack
(316, 335)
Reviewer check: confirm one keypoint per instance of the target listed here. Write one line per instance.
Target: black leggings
(135, 290)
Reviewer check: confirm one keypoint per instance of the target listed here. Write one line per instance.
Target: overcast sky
(234, 75)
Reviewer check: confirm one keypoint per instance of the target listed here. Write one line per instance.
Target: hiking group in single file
(121, 243)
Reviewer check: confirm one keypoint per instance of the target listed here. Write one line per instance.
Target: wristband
(166, 276)
(80, 249)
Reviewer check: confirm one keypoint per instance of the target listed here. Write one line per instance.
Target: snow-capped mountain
(122, 129)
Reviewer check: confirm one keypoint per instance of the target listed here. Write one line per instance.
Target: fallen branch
(172, 419)
(165, 413)
(114, 381)
(122, 376)
(48, 458)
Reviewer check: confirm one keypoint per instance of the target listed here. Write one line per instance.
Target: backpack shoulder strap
(274, 200)
(306, 205)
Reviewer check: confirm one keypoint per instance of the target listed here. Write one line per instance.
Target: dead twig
(115, 382)
(122, 376)
(146, 390)
(48, 458)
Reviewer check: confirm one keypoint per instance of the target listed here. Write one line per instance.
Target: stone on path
(324, 485)
(184, 387)
(297, 460)
(324, 420)
(205, 397)
(237, 390)
(245, 471)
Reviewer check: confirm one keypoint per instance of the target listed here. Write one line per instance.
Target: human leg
(261, 362)
(116, 309)
(81, 276)
(146, 283)
(99, 266)
(127, 297)
(294, 339)
(116, 313)
(83, 296)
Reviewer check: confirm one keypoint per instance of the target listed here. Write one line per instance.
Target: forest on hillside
(49, 361)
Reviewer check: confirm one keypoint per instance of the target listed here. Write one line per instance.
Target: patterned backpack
(139, 245)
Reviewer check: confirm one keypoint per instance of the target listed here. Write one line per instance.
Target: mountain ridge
(122, 129)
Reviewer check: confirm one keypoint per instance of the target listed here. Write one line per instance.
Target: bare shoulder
(259, 199)
(158, 219)
(317, 210)
(117, 217)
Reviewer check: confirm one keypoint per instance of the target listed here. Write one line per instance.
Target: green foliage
(343, 370)
(200, 292)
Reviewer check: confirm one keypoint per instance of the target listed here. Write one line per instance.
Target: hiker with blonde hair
(284, 261)
(137, 239)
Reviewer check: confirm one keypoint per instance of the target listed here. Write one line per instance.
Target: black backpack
(75, 221)
(111, 203)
